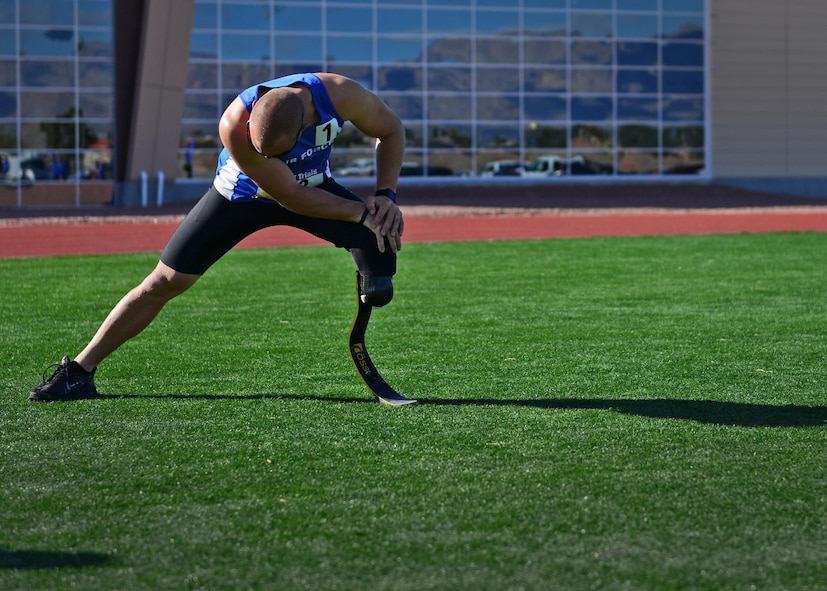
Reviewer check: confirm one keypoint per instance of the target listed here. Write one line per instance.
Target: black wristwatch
(389, 193)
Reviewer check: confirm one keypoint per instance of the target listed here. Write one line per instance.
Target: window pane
(637, 136)
(449, 21)
(58, 135)
(399, 50)
(496, 3)
(94, 13)
(683, 5)
(683, 54)
(683, 162)
(203, 45)
(682, 109)
(449, 50)
(591, 108)
(414, 135)
(637, 81)
(683, 137)
(591, 25)
(8, 12)
(592, 4)
(545, 136)
(498, 107)
(349, 19)
(637, 26)
(246, 46)
(637, 108)
(205, 16)
(449, 107)
(200, 106)
(46, 104)
(449, 136)
(8, 45)
(545, 52)
(250, 17)
(45, 74)
(545, 108)
(350, 49)
(683, 82)
(637, 162)
(554, 4)
(683, 27)
(47, 12)
(497, 51)
(298, 18)
(591, 80)
(8, 104)
(202, 76)
(400, 78)
(498, 136)
(591, 53)
(96, 74)
(651, 5)
(544, 23)
(96, 105)
(553, 80)
(95, 43)
(637, 54)
(407, 107)
(498, 80)
(449, 79)
(497, 22)
(8, 73)
(411, 2)
(591, 136)
(305, 48)
(399, 21)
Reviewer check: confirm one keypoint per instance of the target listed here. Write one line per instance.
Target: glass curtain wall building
(56, 98)
(575, 87)
(610, 87)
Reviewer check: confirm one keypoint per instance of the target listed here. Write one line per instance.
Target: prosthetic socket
(375, 290)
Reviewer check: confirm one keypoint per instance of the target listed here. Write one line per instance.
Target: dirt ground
(449, 212)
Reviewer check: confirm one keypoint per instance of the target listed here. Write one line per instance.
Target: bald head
(276, 120)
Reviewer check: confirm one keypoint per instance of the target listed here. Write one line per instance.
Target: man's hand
(385, 219)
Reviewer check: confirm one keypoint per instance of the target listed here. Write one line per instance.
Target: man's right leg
(134, 312)
(73, 380)
(212, 228)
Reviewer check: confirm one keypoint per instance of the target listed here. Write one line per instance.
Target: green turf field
(601, 414)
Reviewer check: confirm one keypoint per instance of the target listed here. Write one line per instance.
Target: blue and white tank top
(309, 159)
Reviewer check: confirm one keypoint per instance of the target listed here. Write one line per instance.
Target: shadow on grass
(40, 559)
(714, 412)
(735, 414)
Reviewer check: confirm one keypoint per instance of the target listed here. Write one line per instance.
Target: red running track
(38, 239)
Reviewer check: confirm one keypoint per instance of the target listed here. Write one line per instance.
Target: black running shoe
(69, 382)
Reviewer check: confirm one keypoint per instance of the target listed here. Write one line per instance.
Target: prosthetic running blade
(362, 361)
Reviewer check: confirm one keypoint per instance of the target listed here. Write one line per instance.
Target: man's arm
(370, 115)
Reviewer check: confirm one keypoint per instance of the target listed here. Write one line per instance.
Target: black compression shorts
(216, 224)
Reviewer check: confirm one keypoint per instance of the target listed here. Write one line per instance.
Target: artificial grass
(620, 413)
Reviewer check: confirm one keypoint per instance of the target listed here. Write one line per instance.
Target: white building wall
(769, 88)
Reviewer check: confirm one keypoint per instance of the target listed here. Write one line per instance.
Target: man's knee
(166, 283)
(376, 290)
